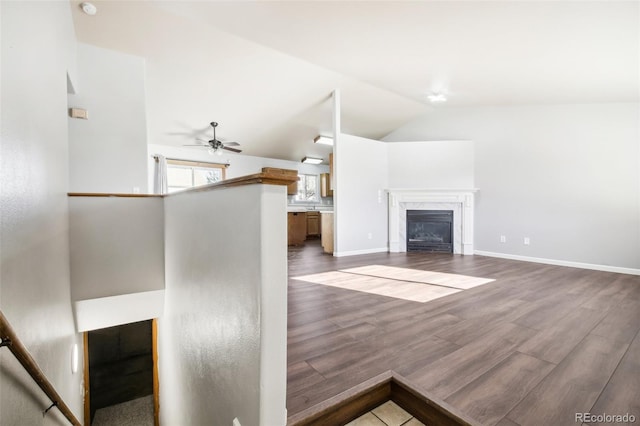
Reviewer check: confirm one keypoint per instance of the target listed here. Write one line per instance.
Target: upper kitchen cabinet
(325, 185)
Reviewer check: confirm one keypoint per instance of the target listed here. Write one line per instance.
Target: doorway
(121, 370)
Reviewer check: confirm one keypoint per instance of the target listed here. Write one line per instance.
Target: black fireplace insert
(430, 230)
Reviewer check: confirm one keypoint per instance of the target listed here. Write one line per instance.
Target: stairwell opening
(121, 370)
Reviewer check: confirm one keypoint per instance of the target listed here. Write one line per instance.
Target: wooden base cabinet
(327, 231)
(296, 228)
(313, 224)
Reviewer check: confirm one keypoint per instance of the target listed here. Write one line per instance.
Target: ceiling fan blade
(232, 149)
(198, 144)
(231, 144)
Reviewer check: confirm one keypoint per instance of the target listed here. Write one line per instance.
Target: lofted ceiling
(265, 70)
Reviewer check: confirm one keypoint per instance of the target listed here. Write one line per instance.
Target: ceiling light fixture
(323, 140)
(88, 8)
(312, 160)
(437, 97)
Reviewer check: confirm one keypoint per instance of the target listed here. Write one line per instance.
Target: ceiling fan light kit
(215, 146)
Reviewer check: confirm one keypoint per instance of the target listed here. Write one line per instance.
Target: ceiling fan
(215, 145)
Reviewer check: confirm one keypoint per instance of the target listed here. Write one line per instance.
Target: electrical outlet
(236, 422)
(370, 235)
(503, 239)
(527, 241)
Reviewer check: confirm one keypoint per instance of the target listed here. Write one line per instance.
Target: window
(187, 174)
(307, 188)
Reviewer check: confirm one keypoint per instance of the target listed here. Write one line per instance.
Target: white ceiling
(265, 70)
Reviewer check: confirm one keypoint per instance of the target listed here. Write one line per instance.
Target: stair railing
(11, 341)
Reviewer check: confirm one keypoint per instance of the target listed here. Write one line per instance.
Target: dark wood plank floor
(534, 347)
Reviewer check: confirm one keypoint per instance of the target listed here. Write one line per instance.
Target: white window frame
(194, 165)
(302, 188)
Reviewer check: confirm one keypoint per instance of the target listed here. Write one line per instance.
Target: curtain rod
(227, 164)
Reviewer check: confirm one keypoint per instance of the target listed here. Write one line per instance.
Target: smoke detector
(88, 8)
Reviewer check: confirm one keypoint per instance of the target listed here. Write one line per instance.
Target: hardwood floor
(534, 347)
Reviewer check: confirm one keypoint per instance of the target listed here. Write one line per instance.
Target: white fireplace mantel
(460, 201)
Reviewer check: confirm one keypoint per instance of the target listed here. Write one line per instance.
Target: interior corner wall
(566, 176)
(108, 152)
(361, 221)
(211, 341)
(37, 41)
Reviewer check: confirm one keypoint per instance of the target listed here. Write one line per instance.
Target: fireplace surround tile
(460, 201)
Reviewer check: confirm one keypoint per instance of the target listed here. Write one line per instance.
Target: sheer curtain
(160, 175)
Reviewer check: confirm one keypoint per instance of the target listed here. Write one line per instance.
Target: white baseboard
(606, 268)
(357, 252)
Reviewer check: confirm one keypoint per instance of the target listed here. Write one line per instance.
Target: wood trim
(87, 396)
(348, 405)
(257, 178)
(427, 408)
(23, 356)
(98, 194)
(362, 398)
(156, 382)
(187, 163)
(262, 178)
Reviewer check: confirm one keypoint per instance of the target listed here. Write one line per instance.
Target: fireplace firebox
(430, 230)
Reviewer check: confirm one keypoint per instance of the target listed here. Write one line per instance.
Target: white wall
(108, 152)
(117, 260)
(222, 341)
(117, 246)
(567, 176)
(432, 164)
(361, 215)
(366, 168)
(37, 41)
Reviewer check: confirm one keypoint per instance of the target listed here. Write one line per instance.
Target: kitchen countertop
(304, 209)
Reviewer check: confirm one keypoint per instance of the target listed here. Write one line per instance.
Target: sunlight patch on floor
(462, 282)
(402, 283)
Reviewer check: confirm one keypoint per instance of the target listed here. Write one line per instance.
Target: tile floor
(387, 414)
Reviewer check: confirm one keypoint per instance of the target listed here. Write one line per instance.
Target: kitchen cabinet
(327, 231)
(325, 185)
(313, 224)
(292, 189)
(296, 228)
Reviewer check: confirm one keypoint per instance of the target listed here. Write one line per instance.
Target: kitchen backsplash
(324, 201)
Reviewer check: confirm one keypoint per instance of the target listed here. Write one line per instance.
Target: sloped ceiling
(265, 70)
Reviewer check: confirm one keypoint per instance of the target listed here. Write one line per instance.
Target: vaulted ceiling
(265, 70)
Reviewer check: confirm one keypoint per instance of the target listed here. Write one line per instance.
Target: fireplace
(460, 201)
(430, 230)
